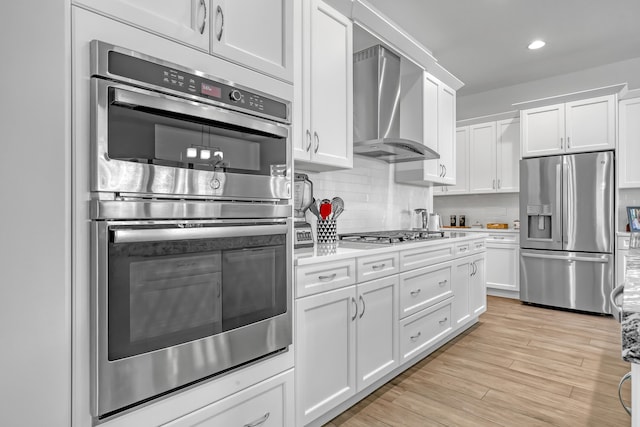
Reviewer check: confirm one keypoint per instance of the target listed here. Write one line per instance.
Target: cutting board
(497, 225)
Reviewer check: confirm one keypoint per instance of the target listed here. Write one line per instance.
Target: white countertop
(484, 229)
(342, 250)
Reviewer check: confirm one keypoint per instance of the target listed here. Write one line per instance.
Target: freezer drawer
(573, 280)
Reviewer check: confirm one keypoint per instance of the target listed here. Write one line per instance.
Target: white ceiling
(484, 42)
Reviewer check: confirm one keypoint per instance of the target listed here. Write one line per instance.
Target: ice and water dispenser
(539, 222)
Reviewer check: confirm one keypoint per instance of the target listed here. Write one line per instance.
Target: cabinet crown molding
(620, 89)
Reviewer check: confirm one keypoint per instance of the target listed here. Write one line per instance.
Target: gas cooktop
(393, 236)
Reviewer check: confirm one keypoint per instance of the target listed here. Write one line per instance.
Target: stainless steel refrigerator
(567, 231)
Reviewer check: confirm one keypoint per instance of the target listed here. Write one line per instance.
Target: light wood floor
(519, 366)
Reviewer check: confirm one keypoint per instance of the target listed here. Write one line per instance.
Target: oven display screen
(214, 91)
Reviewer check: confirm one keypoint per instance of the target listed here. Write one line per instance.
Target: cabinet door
(462, 164)
(508, 155)
(461, 305)
(325, 352)
(503, 268)
(590, 124)
(266, 404)
(377, 330)
(255, 33)
(542, 130)
(183, 20)
(478, 286)
(433, 170)
(629, 148)
(328, 85)
(447, 132)
(482, 151)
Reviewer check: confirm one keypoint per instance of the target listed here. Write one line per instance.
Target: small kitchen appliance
(302, 200)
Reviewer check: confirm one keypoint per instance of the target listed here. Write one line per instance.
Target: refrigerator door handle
(559, 201)
(567, 210)
(602, 260)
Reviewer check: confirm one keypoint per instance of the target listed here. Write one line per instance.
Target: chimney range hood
(376, 109)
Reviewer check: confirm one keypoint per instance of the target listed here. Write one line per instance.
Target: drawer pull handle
(258, 422)
(463, 249)
(327, 278)
(443, 320)
(415, 337)
(416, 292)
(444, 282)
(378, 266)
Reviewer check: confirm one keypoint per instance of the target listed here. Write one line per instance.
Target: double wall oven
(191, 227)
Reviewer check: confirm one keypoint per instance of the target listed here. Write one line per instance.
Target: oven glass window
(159, 138)
(161, 294)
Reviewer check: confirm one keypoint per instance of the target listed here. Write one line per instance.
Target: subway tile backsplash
(372, 199)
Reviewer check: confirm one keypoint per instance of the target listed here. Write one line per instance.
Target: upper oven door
(149, 143)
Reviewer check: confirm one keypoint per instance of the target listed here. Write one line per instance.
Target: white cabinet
(495, 150)
(377, 330)
(477, 285)
(503, 266)
(255, 33)
(346, 339)
(628, 146)
(462, 166)
(324, 139)
(622, 252)
(266, 404)
(577, 126)
(186, 21)
(439, 133)
(325, 351)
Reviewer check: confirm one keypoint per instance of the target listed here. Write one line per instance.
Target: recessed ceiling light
(536, 44)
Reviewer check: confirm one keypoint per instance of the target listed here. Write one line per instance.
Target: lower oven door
(177, 302)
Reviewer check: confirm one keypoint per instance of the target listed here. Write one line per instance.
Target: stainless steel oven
(191, 229)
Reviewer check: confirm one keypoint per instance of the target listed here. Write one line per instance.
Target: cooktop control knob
(235, 95)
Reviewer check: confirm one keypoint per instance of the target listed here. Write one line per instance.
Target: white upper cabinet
(324, 139)
(186, 21)
(508, 155)
(482, 151)
(462, 166)
(578, 126)
(255, 33)
(438, 133)
(629, 148)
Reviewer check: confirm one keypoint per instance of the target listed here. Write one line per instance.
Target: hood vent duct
(376, 109)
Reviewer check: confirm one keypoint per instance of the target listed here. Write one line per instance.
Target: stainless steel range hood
(376, 109)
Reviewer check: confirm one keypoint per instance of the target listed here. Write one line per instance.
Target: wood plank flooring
(519, 366)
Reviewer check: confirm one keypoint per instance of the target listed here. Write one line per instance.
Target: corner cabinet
(577, 126)
(628, 147)
(255, 33)
(185, 21)
(324, 136)
(439, 134)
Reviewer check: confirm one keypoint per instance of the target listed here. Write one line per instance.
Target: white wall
(372, 198)
(500, 100)
(35, 231)
(482, 208)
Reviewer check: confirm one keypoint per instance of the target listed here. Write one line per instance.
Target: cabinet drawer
(376, 266)
(419, 331)
(477, 245)
(422, 257)
(623, 242)
(503, 238)
(462, 249)
(424, 287)
(312, 279)
(267, 404)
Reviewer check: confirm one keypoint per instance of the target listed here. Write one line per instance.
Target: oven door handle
(160, 102)
(135, 235)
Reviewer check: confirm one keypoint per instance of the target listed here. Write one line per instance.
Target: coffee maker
(302, 199)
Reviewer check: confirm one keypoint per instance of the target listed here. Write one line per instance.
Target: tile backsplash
(483, 208)
(372, 199)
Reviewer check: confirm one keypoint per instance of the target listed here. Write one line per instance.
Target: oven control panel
(176, 79)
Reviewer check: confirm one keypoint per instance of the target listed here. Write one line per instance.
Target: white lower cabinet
(477, 285)
(424, 287)
(469, 286)
(346, 340)
(266, 404)
(503, 264)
